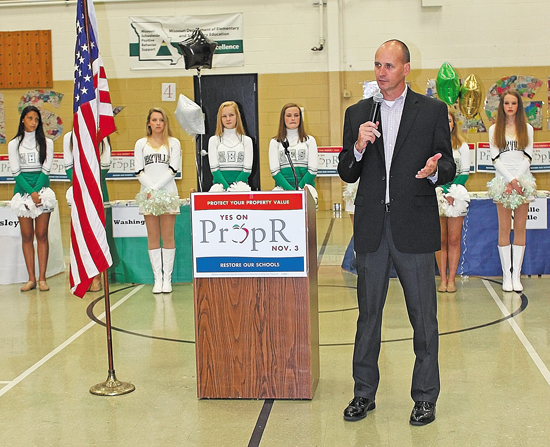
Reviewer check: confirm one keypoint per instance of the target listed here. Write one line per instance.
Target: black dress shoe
(357, 409)
(423, 413)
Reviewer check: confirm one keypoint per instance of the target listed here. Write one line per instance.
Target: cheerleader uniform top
(230, 156)
(511, 163)
(303, 155)
(156, 167)
(30, 176)
(462, 161)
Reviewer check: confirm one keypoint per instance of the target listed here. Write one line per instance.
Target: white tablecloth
(12, 262)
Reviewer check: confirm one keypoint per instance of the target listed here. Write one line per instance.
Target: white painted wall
(279, 34)
(467, 33)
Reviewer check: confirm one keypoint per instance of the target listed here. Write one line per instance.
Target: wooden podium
(258, 337)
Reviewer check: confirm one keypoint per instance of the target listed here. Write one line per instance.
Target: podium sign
(249, 234)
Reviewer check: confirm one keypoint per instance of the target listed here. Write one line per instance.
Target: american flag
(92, 121)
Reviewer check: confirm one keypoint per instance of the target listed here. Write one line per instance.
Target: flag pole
(91, 103)
(112, 386)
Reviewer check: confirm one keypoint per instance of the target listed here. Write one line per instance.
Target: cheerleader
(105, 164)
(453, 201)
(303, 152)
(157, 159)
(31, 155)
(230, 152)
(511, 145)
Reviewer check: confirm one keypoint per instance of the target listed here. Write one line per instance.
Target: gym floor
(494, 361)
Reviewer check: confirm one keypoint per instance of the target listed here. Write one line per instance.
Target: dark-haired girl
(30, 156)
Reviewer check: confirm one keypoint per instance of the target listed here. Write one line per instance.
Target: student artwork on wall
(526, 86)
(2, 120)
(533, 110)
(467, 125)
(53, 124)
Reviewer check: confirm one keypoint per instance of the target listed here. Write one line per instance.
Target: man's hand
(430, 168)
(367, 133)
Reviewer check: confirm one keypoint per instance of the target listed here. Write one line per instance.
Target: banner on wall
(484, 163)
(472, 152)
(540, 162)
(122, 168)
(328, 161)
(154, 40)
(541, 157)
(57, 172)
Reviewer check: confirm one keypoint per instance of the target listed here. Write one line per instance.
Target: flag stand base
(112, 387)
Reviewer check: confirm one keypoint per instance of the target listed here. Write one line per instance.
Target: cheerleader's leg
(441, 256)
(41, 224)
(454, 233)
(27, 238)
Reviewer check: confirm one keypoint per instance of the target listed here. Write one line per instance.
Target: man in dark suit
(399, 159)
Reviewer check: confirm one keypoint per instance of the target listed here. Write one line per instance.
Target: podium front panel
(257, 336)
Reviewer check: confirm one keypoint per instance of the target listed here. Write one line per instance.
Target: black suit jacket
(423, 132)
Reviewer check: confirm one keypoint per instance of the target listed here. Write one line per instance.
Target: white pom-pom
(239, 187)
(69, 196)
(217, 187)
(157, 201)
(441, 201)
(24, 206)
(350, 191)
(461, 201)
(47, 197)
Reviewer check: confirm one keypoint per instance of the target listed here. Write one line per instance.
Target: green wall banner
(154, 40)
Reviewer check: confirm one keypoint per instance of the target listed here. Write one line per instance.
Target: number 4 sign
(168, 91)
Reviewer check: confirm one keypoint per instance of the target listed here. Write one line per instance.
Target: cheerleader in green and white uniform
(453, 201)
(303, 152)
(230, 152)
(31, 156)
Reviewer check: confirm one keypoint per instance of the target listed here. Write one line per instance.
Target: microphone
(285, 145)
(377, 98)
(375, 111)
